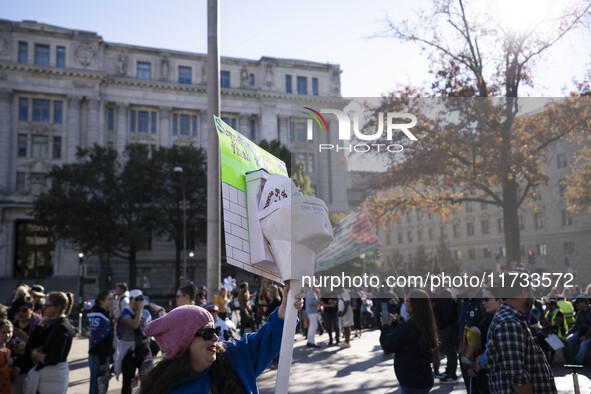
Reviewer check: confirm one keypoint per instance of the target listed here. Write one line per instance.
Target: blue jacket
(249, 356)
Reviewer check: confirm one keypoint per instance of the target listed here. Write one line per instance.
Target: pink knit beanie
(175, 330)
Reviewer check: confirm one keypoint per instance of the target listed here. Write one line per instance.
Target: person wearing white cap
(132, 351)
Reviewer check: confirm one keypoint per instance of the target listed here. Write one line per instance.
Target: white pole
(289, 326)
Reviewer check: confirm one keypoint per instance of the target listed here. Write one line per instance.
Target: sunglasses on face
(486, 299)
(139, 299)
(207, 333)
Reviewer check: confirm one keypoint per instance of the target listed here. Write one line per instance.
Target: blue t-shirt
(249, 356)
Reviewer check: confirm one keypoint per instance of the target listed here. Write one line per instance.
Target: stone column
(283, 131)
(94, 136)
(268, 121)
(164, 130)
(122, 127)
(74, 130)
(5, 140)
(204, 127)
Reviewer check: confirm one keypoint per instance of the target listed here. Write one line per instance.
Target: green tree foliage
(280, 151)
(110, 205)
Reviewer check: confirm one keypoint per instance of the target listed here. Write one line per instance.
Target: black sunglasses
(207, 333)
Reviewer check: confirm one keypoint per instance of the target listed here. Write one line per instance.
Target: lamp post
(80, 291)
(179, 170)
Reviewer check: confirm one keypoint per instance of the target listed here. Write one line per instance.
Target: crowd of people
(503, 340)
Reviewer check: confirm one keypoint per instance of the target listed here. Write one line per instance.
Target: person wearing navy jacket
(195, 362)
(100, 340)
(412, 342)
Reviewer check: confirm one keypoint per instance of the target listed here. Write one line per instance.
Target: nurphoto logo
(393, 124)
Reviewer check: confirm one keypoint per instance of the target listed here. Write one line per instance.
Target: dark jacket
(445, 310)
(56, 338)
(412, 364)
(473, 315)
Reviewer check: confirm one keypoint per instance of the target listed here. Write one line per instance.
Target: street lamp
(179, 170)
(81, 277)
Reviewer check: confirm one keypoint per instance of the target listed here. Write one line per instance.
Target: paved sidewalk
(363, 368)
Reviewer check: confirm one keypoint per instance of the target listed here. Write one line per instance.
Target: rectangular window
(302, 85)
(297, 132)
(57, 148)
(251, 79)
(542, 250)
(23, 109)
(521, 222)
(539, 220)
(408, 218)
(561, 161)
(185, 125)
(468, 206)
(315, 86)
(231, 121)
(144, 71)
(143, 122)
(153, 120)
(430, 234)
(500, 225)
(458, 254)
(41, 55)
(485, 227)
(60, 57)
(41, 111)
(252, 130)
(456, 230)
(194, 130)
(483, 206)
(443, 232)
(174, 124)
(185, 75)
(420, 235)
(23, 50)
(22, 145)
(40, 147)
(34, 251)
(20, 182)
(409, 236)
(470, 229)
(487, 252)
(561, 187)
(288, 84)
(471, 254)
(310, 163)
(225, 79)
(567, 218)
(57, 112)
(110, 119)
(400, 240)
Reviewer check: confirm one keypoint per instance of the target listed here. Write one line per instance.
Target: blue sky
(327, 31)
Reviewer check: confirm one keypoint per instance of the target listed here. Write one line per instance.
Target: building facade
(61, 89)
(559, 240)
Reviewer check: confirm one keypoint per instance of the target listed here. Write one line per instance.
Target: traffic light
(532, 256)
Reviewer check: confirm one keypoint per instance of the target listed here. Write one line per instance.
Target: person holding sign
(195, 362)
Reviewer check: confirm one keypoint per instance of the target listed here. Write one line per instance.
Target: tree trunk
(511, 221)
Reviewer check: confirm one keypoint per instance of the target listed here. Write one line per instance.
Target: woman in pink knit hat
(195, 362)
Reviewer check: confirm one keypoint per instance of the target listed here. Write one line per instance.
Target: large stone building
(61, 89)
(560, 240)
